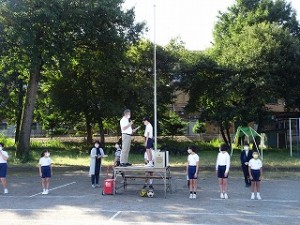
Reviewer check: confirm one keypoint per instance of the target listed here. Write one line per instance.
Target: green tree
(173, 125)
(255, 53)
(138, 93)
(199, 127)
(46, 34)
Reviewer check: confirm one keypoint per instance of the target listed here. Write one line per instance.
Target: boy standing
(148, 140)
(222, 170)
(246, 155)
(255, 171)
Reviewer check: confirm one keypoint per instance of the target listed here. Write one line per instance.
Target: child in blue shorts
(222, 170)
(192, 169)
(255, 171)
(45, 170)
(3, 167)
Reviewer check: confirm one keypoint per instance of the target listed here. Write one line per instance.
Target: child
(222, 170)
(148, 140)
(96, 155)
(117, 154)
(117, 157)
(148, 174)
(3, 167)
(246, 155)
(255, 171)
(192, 169)
(45, 170)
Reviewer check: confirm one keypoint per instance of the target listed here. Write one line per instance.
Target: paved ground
(73, 201)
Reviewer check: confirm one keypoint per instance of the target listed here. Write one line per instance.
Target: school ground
(72, 201)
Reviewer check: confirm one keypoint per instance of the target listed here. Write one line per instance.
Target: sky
(191, 20)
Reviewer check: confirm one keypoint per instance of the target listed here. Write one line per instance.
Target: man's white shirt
(123, 123)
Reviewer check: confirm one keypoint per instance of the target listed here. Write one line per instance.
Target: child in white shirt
(192, 169)
(222, 170)
(45, 170)
(255, 171)
(3, 167)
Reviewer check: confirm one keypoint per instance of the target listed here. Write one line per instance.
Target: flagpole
(154, 71)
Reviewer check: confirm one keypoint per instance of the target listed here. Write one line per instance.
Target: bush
(6, 141)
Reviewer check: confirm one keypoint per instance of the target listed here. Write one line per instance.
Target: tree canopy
(254, 61)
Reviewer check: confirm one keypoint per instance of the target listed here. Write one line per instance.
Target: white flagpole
(154, 71)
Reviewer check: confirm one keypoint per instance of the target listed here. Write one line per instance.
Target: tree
(94, 71)
(138, 94)
(173, 125)
(199, 127)
(40, 32)
(255, 52)
(259, 44)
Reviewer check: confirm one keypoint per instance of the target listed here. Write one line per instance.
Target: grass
(70, 153)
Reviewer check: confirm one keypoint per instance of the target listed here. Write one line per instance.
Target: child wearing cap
(222, 170)
(192, 169)
(3, 167)
(255, 171)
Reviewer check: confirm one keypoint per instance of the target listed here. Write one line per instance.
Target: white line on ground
(58, 187)
(114, 216)
(249, 200)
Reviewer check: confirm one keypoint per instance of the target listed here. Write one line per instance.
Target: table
(163, 173)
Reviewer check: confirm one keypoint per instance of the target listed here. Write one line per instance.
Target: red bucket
(108, 187)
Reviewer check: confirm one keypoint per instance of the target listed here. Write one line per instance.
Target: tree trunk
(101, 131)
(89, 138)
(228, 137)
(223, 134)
(19, 110)
(23, 145)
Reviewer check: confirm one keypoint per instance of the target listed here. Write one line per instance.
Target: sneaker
(149, 164)
(225, 196)
(258, 196)
(194, 195)
(128, 164)
(5, 191)
(93, 186)
(151, 187)
(145, 186)
(123, 165)
(191, 196)
(222, 195)
(46, 192)
(252, 196)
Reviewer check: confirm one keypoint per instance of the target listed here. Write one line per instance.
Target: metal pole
(154, 71)
(291, 138)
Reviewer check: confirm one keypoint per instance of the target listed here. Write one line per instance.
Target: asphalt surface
(72, 200)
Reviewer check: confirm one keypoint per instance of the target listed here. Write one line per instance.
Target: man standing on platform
(126, 130)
